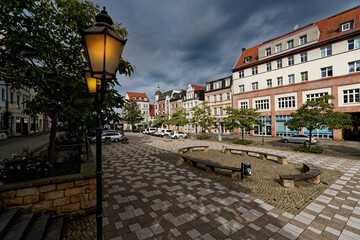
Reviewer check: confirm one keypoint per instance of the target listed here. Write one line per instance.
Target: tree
(242, 118)
(178, 118)
(42, 49)
(318, 114)
(160, 120)
(202, 116)
(132, 113)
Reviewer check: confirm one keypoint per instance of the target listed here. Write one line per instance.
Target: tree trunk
(242, 134)
(51, 148)
(310, 136)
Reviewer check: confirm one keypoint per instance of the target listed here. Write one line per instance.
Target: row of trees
(312, 115)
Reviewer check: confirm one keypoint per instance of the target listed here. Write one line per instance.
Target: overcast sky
(176, 42)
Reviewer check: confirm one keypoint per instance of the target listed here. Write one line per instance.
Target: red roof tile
(197, 87)
(331, 23)
(138, 96)
(152, 110)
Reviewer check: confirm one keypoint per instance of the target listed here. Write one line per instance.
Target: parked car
(158, 132)
(177, 134)
(146, 131)
(151, 131)
(137, 130)
(166, 132)
(114, 136)
(299, 138)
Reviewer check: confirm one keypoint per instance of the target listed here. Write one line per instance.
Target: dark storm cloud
(173, 43)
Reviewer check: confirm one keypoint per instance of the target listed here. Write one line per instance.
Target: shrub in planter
(314, 149)
(243, 142)
(63, 140)
(203, 137)
(23, 167)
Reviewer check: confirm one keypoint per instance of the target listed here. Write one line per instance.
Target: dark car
(137, 130)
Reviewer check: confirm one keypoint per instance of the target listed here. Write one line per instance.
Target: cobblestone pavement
(146, 198)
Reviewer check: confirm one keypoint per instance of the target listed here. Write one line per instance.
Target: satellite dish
(296, 27)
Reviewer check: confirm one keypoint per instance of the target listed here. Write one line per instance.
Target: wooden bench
(191, 149)
(311, 174)
(210, 167)
(262, 155)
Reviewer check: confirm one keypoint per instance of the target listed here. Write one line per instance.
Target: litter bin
(107, 140)
(247, 169)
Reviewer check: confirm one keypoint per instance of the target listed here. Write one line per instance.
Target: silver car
(114, 137)
(299, 138)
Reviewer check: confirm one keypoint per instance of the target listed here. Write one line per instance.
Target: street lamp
(103, 49)
(263, 125)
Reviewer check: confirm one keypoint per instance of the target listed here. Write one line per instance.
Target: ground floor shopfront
(277, 103)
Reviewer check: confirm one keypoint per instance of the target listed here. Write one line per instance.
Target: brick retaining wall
(70, 194)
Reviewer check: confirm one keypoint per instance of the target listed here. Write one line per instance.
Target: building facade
(144, 105)
(281, 74)
(162, 101)
(193, 97)
(219, 96)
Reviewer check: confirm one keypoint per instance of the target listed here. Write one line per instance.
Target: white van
(151, 131)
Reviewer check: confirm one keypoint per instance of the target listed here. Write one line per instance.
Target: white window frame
(290, 43)
(354, 66)
(268, 52)
(279, 63)
(303, 39)
(278, 48)
(244, 105)
(351, 96)
(314, 96)
(269, 83)
(263, 104)
(228, 96)
(290, 60)
(214, 98)
(354, 44)
(220, 97)
(254, 70)
(291, 78)
(280, 81)
(303, 75)
(345, 26)
(286, 102)
(303, 57)
(241, 88)
(255, 85)
(327, 72)
(268, 67)
(326, 51)
(241, 74)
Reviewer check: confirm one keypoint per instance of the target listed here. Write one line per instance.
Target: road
(17, 145)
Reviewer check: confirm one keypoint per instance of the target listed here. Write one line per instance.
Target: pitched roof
(197, 87)
(138, 96)
(152, 110)
(328, 27)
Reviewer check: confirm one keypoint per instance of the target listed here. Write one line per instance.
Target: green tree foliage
(318, 114)
(202, 116)
(42, 49)
(132, 113)
(241, 118)
(178, 118)
(160, 120)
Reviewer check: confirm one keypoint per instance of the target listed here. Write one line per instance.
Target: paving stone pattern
(146, 198)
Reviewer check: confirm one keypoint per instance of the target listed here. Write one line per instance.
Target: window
(215, 111)
(219, 84)
(254, 70)
(255, 85)
(304, 76)
(268, 67)
(214, 98)
(279, 64)
(208, 98)
(291, 60)
(228, 95)
(303, 40)
(262, 104)
(290, 44)
(280, 81)
(247, 59)
(291, 78)
(278, 48)
(326, 51)
(269, 83)
(352, 96)
(314, 96)
(286, 102)
(244, 105)
(227, 82)
(354, 44)
(221, 111)
(327, 72)
(208, 87)
(241, 74)
(303, 57)
(220, 97)
(345, 26)
(241, 88)
(354, 66)
(268, 52)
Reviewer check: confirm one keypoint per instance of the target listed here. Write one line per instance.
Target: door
(268, 130)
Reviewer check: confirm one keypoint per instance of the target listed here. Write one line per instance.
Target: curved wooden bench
(262, 155)
(210, 166)
(191, 149)
(311, 174)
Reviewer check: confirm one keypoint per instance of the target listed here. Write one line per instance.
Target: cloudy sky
(176, 42)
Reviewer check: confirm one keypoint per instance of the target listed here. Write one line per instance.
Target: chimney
(243, 50)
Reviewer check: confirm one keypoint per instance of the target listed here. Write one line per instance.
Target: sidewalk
(146, 198)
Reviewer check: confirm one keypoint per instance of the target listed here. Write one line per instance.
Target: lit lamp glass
(103, 47)
(91, 82)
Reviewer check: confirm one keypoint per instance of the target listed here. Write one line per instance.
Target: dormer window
(134, 98)
(345, 26)
(145, 99)
(268, 52)
(278, 48)
(247, 59)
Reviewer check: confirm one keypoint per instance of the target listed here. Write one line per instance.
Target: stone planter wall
(70, 194)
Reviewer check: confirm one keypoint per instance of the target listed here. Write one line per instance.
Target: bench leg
(192, 163)
(287, 183)
(263, 156)
(245, 154)
(190, 150)
(235, 175)
(283, 161)
(227, 151)
(210, 169)
(181, 159)
(206, 149)
(315, 180)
